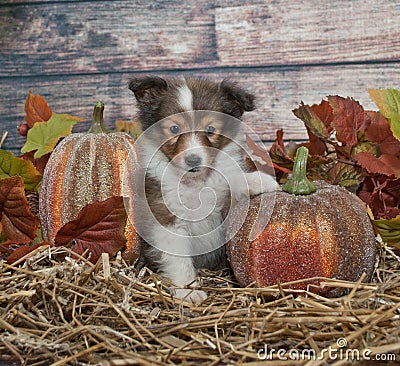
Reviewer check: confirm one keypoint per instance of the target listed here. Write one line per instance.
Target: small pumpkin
(85, 168)
(316, 229)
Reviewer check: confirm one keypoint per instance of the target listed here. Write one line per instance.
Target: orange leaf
(99, 228)
(19, 223)
(36, 109)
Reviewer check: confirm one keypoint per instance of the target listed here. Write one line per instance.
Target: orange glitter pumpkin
(85, 168)
(316, 230)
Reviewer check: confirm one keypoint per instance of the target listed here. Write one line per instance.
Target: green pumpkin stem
(97, 119)
(299, 184)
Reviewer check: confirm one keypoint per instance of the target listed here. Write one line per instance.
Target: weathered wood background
(77, 52)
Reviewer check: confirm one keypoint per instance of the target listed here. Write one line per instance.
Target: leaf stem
(348, 162)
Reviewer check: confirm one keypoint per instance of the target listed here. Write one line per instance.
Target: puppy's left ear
(242, 99)
(147, 87)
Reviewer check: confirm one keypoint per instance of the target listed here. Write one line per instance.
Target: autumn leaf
(44, 136)
(382, 195)
(11, 166)
(389, 230)
(24, 250)
(380, 133)
(311, 118)
(267, 165)
(278, 154)
(348, 118)
(98, 228)
(388, 102)
(324, 112)
(386, 164)
(40, 163)
(317, 120)
(345, 175)
(316, 146)
(133, 128)
(19, 223)
(93, 250)
(36, 109)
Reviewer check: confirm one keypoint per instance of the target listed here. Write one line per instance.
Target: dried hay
(73, 313)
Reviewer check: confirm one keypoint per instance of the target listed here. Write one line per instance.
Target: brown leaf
(19, 223)
(324, 112)
(348, 119)
(386, 164)
(93, 250)
(98, 228)
(266, 166)
(36, 109)
(382, 195)
(39, 163)
(23, 250)
(310, 117)
(316, 146)
(6, 248)
(379, 132)
(281, 160)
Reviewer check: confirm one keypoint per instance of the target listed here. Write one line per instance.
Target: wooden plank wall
(285, 51)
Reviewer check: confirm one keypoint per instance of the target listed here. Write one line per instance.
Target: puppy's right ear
(147, 87)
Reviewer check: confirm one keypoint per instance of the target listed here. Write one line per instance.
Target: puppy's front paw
(190, 295)
(261, 183)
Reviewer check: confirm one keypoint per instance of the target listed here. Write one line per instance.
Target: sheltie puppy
(192, 167)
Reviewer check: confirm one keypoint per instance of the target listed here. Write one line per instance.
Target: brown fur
(157, 100)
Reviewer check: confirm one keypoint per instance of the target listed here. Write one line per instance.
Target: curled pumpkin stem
(98, 120)
(299, 184)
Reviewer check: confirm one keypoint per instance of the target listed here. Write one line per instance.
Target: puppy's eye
(210, 130)
(174, 129)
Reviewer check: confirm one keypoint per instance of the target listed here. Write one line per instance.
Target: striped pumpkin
(85, 168)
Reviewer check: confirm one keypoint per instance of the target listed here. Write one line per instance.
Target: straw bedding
(65, 312)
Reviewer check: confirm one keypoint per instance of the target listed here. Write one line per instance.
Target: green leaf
(11, 166)
(346, 175)
(388, 102)
(389, 229)
(43, 136)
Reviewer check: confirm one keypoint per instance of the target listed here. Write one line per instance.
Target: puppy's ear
(147, 87)
(241, 98)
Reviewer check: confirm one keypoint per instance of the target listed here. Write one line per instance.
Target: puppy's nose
(193, 160)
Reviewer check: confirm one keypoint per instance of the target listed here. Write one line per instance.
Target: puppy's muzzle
(193, 163)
